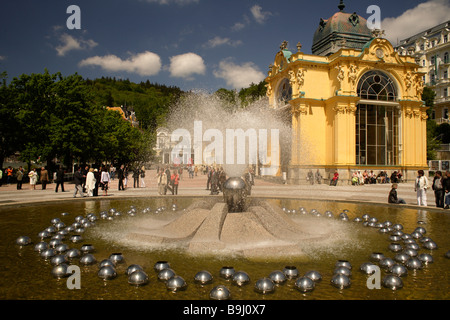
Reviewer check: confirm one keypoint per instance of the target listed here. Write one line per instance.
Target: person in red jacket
(174, 179)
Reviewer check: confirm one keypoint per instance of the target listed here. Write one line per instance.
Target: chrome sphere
(88, 259)
(55, 221)
(410, 252)
(227, 272)
(304, 284)
(235, 190)
(395, 247)
(413, 263)
(395, 238)
(117, 258)
(60, 225)
(76, 238)
(166, 274)
(107, 273)
(161, 265)
(343, 270)
(398, 270)
(220, 292)
(413, 246)
(357, 219)
(447, 254)
(41, 246)
(366, 217)
(386, 263)
(203, 277)
(54, 243)
(241, 278)
(44, 234)
(416, 235)
(58, 236)
(376, 256)
(138, 278)
(328, 214)
(397, 233)
(278, 277)
(290, 272)
(58, 259)
(392, 282)
(60, 271)
(425, 258)
(87, 248)
(264, 285)
(383, 230)
(402, 257)
(176, 283)
(73, 253)
(366, 267)
(397, 227)
(23, 240)
(51, 229)
(105, 263)
(314, 275)
(430, 245)
(132, 268)
(409, 241)
(343, 263)
(48, 253)
(340, 281)
(421, 230)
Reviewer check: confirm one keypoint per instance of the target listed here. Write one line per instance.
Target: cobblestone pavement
(377, 193)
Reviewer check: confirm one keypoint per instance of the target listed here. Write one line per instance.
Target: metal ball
(383, 230)
(55, 221)
(161, 265)
(410, 252)
(406, 236)
(367, 267)
(386, 263)
(395, 238)
(376, 256)
(425, 239)
(117, 258)
(395, 247)
(107, 273)
(340, 281)
(421, 230)
(132, 268)
(397, 227)
(176, 283)
(278, 277)
(241, 278)
(138, 278)
(314, 275)
(416, 235)
(343, 270)
(425, 258)
(227, 272)
(290, 272)
(264, 285)
(87, 248)
(392, 282)
(357, 219)
(60, 225)
(397, 233)
(413, 246)
(343, 263)
(220, 292)
(51, 229)
(88, 259)
(44, 234)
(76, 238)
(203, 277)
(73, 253)
(58, 259)
(166, 274)
(23, 240)
(105, 263)
(409, 241)
(413, 263)
(60, 271)
(402, 257)
(54, 243)
(41, 246)
(48, 253)
(304, 284)
(430, 245)
(366, 217)
(398, 270)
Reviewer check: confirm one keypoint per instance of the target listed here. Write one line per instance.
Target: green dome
(347, 30)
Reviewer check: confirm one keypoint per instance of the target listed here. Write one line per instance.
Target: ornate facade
(351, 107)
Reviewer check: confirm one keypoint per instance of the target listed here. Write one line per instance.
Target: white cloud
(239, 76)
(416, 20)
(69, 43)
(219, 41)
(258, 14)
(186, 65)
(144, 64)
(238, 26)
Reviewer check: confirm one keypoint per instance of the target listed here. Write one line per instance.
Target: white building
(431, 48)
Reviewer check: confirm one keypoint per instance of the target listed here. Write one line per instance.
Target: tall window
(284, 92)
(446, 60)
(377, 129)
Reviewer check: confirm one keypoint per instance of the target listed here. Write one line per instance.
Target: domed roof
(343, 29)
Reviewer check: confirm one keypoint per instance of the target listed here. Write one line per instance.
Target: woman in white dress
(90, 182)
(33, 178)
(421, 186)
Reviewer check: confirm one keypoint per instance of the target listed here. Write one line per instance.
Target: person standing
(168, 184)
(44, 178)
(121, 176)
(97, 175)
(136, 174)
(78, 180)
(421, 186)
(33, 178)
(19, 178)
(1, 177)
(438, 188)
(60, 179)
(142, 177)
(175, 178)
(104, 180)
(446, 185)
(9, 175)
(161, 179)
(90, 182)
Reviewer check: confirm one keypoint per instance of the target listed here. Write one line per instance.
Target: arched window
(284, 92)
(377, 121)
(375, 85)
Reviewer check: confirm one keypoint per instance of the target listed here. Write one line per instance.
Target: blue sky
(192, 44)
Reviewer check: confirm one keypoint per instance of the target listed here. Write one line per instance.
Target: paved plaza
(374, 193)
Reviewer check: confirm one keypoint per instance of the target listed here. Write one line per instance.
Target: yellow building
(354, 103)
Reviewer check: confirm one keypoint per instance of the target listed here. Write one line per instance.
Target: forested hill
(150, 101)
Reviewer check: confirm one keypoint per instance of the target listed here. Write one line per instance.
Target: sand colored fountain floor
(264, 230)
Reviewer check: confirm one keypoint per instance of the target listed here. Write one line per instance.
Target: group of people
(19, 175)
(167, 180)
(89, 181)
(316, 177)
(216, 177)
(361, 178)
